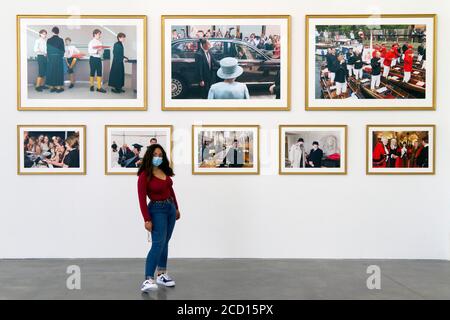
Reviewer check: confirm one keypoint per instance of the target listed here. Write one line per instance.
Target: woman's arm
(142, 196)
(174, 198)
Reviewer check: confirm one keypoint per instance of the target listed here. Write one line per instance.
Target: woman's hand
(148, 226)
(178, 214)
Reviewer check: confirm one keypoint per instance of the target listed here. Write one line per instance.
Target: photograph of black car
(219, 59)
(256, 52)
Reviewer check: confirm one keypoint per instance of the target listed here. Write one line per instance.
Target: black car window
(244, 52)
(217, 49)
(184, 49)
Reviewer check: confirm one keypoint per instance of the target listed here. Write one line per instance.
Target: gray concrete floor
(228, 279)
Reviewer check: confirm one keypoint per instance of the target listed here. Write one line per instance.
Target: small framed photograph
(225, 149)
(313, 149)
(88, 62)
(125, 145)
(370, 62)
(401, 149)
(51, 149)
(228, 62)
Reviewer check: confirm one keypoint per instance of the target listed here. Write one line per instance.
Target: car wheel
(178, 88)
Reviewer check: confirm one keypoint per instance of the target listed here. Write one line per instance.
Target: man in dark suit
(315, 156)
(422, 158)
(134, 161)
(205, 64)
(235, 156)
(124, 154)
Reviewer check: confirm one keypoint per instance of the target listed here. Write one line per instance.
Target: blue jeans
(163, 215)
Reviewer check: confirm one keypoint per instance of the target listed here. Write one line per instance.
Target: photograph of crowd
(224, 149)
(93, 63)
(126, 145)
(313, 149)
(401, 149)
(372, 62)
(51, 149)
(227, 60)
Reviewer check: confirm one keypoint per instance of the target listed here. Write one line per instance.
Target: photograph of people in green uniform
(92, 62)
(117, 73)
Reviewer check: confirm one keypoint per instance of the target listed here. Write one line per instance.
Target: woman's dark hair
(147, 162)
(55, 30)
(121, 35)
(43, 31)
(96, 31)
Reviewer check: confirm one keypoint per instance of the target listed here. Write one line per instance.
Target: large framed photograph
(125, 145)
(313, 149)
(225, 62)
(51, 149)
(225, 149)
(401, 149)
(370, 62)
(88, 62)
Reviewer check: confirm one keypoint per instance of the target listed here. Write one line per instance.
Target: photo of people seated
(312, 149)
(400, 149)
(51, 149)
(370, 62)
(225, 149)
(226, 62)
(127, 147)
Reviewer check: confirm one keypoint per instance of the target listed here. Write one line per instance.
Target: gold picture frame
(164, 99)
(20, 107)
(131, 126)
(374, 108)
(256, 143)
(369, 152)
(59, 171)
(325, 126)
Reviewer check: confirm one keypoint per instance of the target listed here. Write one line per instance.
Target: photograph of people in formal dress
(125, 146)
(313, 149)
(401, 149)
(51, 149)
(377, 60)
(76, 63)
(241, 62)
(225, 149)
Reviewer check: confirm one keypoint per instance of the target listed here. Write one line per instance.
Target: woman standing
(117, 74)
(229, 88)
(159, 215)
(55, 67)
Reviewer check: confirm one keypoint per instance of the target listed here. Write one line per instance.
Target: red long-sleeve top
(156, 189)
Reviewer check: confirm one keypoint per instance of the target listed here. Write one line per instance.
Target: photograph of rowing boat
(370, 63)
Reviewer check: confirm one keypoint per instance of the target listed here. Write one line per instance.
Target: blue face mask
(156, 161)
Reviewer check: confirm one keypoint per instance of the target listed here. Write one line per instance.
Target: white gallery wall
(265, 216)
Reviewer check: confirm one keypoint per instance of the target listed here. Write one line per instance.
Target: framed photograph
(88, 62)
(313, 149)
(370, 62)
(125, 145)
(401, 149)
(225, 149)
(225, 62)
(51, 149)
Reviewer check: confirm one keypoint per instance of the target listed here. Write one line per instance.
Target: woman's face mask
(156, 161)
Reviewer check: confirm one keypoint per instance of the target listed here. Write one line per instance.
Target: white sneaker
(149, 285)
(165, 280)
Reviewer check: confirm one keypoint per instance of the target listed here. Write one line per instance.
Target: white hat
(229, 69)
